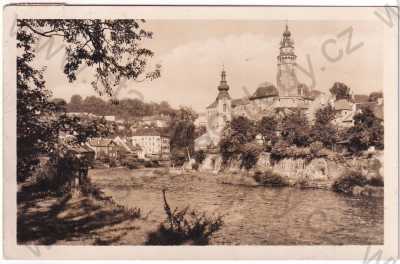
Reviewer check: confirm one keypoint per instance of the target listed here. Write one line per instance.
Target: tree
(367, 131)
(60, 104)
(249, 155)
(340, 91)
(34, 110)
(323, 130)
(295, 129)
(325, 115)
(110, 47)
(182, 131)
(75, 103)
(373, 97)
(238, 132)
(268, 127)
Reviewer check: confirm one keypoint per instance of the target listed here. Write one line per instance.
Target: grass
(184, 226)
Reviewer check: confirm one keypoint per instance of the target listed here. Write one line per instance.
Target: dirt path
(77, 219)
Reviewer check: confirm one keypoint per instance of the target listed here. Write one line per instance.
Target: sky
(193, 52)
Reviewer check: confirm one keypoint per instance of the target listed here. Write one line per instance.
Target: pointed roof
(286, 39)
(223, 85)
(223, 89)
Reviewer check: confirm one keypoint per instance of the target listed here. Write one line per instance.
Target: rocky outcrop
(316, 173)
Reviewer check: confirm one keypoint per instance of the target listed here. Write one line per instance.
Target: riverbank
(251, 215)
(72, 219)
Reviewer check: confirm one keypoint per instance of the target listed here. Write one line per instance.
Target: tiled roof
(265, 90)
(78, 149)
(100, 142)
(343, 104)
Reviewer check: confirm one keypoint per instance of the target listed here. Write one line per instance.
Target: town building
(130, 149)
(104, 148)
(153, 143)
(219, 112)
(287, 95)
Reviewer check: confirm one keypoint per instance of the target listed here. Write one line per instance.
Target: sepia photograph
(202, 131)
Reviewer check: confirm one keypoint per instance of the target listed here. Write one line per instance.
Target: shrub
(199, 156)
(113, 163)
(184, 226)
(283, 150)
(376, 181)
(195, 166)
(132, 165)
(151, 164)
(347, 181)
(270, 178)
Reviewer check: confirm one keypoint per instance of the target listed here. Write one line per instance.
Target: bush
(283, 150)
(132, 165)
(184, 226)
(270, 178)
(113, 163)
(376, 181)
(195, 166)
(199, 156)
(151, 164)
(347, 181)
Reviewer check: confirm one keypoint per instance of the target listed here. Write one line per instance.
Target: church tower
(286, 78)
(219, 112)
(224, 101)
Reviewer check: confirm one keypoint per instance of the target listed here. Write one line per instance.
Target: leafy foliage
(249, 155)
(374, 96)
(323, 130)
(35, 127)
(184, 226)
(110, 47)
(182, 134)
(346, 182)
(295, 129)
(340, 91)
(240, 131)
(83, 129)
(267, 127)
(367, 131)
(199, 156)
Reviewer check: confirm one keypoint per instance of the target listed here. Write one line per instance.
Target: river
(252, 215)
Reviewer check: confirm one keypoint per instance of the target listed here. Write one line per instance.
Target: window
(224, 108)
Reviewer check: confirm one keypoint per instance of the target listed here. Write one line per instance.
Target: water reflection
(255, 215)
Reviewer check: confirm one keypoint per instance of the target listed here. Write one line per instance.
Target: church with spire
(286, 95)
(219, 112)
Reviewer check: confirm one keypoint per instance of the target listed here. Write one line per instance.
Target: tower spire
(223, 85)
